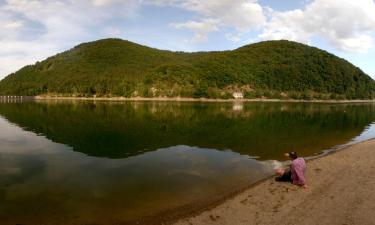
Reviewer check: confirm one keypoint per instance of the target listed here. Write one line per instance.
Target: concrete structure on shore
(14, 98)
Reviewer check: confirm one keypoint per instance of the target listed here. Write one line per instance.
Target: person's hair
(293, 155)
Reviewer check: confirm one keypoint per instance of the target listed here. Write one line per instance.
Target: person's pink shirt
(298, 169)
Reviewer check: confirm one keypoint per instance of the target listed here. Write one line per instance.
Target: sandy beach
(340, 191)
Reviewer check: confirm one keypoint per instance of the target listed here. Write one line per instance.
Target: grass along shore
(340, 191)
(182, 99)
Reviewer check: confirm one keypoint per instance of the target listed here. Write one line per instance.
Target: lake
(86, 162)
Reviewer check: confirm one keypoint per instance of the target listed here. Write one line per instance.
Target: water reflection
(43, 182)
(111, 163)
(121, 130)
(367, 134)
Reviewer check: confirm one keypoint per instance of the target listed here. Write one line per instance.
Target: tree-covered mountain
(114, 67)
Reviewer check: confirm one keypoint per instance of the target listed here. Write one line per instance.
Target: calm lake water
(84, 162)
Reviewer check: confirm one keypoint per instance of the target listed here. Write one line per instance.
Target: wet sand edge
(188, 211)
(340, 173)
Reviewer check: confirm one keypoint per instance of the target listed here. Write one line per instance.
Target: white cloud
(13, 24)
(16, 54)
(32, 30)
(243, 15)
(201, 29)
(102, 2)
(348, 25)
(357, 43)
(132, 4)
(233, 37)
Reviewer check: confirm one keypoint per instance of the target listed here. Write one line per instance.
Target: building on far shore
(237, 95)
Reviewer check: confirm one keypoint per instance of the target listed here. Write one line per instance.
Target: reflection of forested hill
(124, 129)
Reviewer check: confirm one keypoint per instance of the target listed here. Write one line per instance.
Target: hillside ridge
(114, 67)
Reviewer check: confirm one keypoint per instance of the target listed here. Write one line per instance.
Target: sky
(32, 30)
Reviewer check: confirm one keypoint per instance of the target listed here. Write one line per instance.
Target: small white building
(237, 95)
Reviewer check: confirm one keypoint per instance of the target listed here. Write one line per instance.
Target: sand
(341, 190)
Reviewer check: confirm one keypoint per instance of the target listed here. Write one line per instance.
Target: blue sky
(31, 30)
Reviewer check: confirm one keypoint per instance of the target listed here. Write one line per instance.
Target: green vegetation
(113, 67)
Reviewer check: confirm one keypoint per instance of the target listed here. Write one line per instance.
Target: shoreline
(263, 201)
(182, 215)
(180, 99)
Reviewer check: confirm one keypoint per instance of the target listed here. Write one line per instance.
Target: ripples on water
(103, 163)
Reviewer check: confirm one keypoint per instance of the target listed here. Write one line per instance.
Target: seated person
(296, 173)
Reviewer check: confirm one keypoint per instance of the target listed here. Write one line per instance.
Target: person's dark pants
(286, 177)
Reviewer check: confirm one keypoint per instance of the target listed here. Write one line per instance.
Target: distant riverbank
(144, 154)
(340, 192)
(180, 99)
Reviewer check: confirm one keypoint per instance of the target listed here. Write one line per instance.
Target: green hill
(114, 67)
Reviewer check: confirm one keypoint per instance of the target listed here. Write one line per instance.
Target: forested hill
(114, 67)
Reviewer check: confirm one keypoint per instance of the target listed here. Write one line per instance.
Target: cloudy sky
(31, 30)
